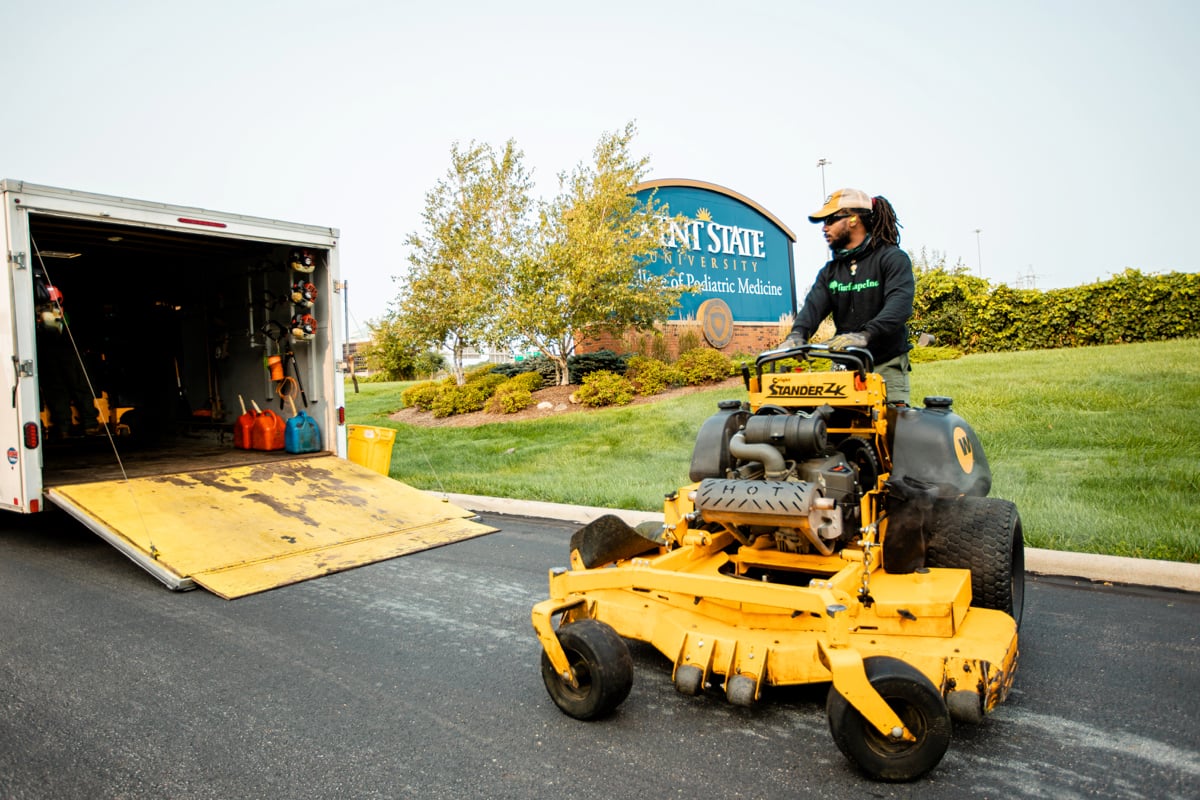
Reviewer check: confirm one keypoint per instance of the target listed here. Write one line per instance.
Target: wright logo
(964, 450)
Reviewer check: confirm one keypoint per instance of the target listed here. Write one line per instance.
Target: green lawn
(1097, 446)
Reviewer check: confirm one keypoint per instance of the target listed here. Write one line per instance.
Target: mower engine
(777, 475)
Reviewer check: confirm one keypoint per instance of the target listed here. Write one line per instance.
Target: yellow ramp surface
(241, 530)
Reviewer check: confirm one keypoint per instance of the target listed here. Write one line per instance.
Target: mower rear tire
(919, 705)
(602, 667)
(982, 534)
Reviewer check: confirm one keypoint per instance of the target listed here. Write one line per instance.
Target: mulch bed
(558, 398)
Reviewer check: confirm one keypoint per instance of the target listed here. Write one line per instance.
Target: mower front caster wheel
(601, 665)
(689, 679)
(919, 705)
(740, 690)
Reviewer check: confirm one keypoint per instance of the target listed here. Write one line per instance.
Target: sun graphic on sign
(704, 215)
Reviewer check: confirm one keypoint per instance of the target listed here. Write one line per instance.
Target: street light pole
(979, 251)
(822, 164)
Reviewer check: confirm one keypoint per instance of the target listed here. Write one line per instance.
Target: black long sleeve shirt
(870, 293)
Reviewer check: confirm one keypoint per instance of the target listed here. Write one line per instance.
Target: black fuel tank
(710, 455)
(935, 446)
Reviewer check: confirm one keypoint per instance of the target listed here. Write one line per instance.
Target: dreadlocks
(885, 228)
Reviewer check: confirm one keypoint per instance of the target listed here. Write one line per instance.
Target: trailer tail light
(32, 434)
(341, 415)
(210, 223)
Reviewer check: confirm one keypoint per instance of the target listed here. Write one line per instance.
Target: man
(867, 286)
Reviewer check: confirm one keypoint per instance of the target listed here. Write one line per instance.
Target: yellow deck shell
(241, 530)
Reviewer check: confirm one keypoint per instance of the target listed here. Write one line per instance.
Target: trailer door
(20, 477)
(241, 530)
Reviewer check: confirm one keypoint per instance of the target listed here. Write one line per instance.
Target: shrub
(515, 393)
(529, 381)
(703, 365)
(737, 360)
(488, 382)
(635, 342)
(605, 388)
(543, 366)
(508, 369)
(463, 399)
(446, 398)
(580, 366)
(479, 372)
(538, 364)
(689, 340)
(659, 348)
(651, 344)
(421, 395)
(509, 399)
(650, 375)
(691, 334)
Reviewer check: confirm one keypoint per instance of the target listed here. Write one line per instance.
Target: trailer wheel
(982, 534)
(602, 667)
(915, 700)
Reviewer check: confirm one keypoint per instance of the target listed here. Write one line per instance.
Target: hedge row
(967, 312)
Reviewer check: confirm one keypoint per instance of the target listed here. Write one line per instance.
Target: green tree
(472, 233)
(428, 364)
(394, 353)
(581, 272)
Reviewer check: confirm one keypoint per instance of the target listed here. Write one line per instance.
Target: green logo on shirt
(837, 286)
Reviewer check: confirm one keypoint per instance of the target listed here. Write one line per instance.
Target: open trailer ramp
(241, 530)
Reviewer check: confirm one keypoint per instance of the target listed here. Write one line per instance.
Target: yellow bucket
(371, 447)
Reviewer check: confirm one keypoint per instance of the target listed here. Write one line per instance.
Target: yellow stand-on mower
(828, 537)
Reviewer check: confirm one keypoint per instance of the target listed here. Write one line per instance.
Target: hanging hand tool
(291, 356)
(185, 408)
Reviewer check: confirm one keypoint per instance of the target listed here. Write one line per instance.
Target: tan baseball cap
(842, 200)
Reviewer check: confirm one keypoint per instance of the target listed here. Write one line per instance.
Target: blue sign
(727, 246)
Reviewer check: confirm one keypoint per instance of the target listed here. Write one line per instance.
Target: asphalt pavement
(418, 677)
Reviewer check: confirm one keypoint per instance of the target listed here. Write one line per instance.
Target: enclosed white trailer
(175, 313)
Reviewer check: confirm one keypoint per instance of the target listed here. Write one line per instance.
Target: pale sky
(1065, 132)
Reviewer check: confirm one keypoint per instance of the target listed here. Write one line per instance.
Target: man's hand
(793, 341)
(844, 340)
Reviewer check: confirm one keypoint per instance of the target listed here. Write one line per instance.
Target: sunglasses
(831, 221)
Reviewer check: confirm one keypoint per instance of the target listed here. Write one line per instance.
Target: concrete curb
(1088, 566)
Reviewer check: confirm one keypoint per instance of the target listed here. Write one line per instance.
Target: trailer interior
(172, 327)
(177, 313)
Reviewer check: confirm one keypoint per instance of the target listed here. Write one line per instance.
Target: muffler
(782, 504)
